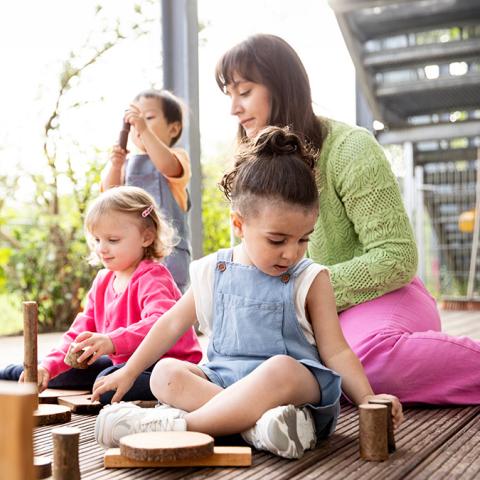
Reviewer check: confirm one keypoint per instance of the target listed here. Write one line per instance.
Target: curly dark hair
(277, 165)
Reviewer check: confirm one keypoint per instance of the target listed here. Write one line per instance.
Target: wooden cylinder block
(17, 402)
(30, 333)
(65, 453)
(373, 432)
(390, 433)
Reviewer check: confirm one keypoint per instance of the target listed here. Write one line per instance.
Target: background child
(276, 352)
(128, 236)
(163, 171)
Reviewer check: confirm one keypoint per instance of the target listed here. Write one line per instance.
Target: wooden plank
(456, 458)
(222, 457)
(81, 404)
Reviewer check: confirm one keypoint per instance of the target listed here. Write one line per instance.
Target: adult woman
(363, 233)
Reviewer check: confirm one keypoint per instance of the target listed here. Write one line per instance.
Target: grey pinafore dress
(141, 172)
(254, 319)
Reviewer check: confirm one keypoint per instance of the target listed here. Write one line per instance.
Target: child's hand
(397, 411)
(118, 156)
(94, 345)
(43, 378)
(120, 382)
(134, 117)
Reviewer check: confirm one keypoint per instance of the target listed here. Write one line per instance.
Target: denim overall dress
(254, 319)
(141, 172)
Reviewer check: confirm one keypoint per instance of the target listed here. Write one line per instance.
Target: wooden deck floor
(433, 443)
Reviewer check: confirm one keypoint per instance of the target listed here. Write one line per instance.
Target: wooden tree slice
(166, 446)
(51, 395)
(48, 414)
(42, 467)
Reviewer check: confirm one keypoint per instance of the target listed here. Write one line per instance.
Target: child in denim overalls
(277, 356)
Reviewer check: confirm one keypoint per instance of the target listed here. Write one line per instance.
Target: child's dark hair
(141, 206)
(275, 165)
(172, 107)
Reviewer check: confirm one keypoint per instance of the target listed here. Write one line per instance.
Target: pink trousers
(399, 341)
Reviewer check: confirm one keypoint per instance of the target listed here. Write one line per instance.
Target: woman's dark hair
(272, 62)
(172, 107)
(276, 165)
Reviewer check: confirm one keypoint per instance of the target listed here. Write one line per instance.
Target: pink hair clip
(147, 211)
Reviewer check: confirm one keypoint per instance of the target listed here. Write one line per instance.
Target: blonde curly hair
(141, 206)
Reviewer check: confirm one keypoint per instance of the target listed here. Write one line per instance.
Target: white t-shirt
(202, 277)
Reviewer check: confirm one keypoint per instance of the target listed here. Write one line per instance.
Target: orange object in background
(466, 221)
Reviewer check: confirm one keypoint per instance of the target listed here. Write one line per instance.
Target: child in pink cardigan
(128, 236)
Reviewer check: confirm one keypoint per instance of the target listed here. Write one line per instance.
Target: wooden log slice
(42, 467)
(51, 395)
(49, 414)
(166, 446)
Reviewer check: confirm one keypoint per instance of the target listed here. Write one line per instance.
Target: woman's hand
(43, 378)
(397, 410)
(94, 345)
(120, 381)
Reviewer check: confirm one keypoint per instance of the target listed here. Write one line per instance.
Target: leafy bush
(215, 208)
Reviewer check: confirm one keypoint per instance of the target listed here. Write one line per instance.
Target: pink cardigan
(127, 317)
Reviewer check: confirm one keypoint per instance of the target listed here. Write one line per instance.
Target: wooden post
(65, 453)
(30, 334)
(373, 432)
(17, 403)
(390, 433)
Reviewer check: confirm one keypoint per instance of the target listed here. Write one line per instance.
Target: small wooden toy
(71, 358)
(373, 432)
(51, 395)
(45, 414)
(81, 404)
(65, 453)
(17, 403)
(123, 137)
(390, 434)
(174, 449)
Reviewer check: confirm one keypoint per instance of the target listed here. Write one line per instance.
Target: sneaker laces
(159, 424)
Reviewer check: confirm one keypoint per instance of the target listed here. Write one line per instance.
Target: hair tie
(147, 211)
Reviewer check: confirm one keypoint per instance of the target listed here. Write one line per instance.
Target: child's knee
(280, 370)
(167, 377)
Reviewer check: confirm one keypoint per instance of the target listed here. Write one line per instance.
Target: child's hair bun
(275, 141)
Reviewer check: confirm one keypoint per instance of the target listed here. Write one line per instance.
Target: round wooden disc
(50, 414)
(163, 446)
(42, 466)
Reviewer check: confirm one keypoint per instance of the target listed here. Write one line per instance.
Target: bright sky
(35, 36)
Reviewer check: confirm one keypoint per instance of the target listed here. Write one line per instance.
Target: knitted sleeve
(387, 258)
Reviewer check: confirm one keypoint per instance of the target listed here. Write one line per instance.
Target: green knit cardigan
(363, 233)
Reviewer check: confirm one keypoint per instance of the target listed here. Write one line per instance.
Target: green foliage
(215, 208)
(42, 247)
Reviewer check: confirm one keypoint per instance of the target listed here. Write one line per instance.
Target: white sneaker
(120, 419)
(286, 431)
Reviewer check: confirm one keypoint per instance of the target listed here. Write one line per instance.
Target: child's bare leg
(181, 384)
(280, 380)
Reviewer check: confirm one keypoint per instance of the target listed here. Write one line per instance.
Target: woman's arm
(162, 336)
(334, 351)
